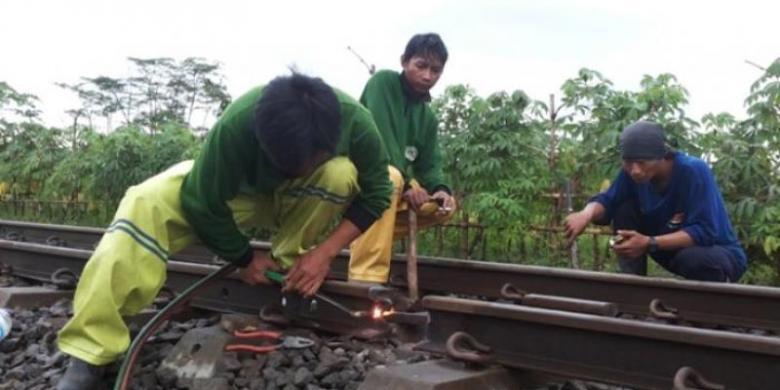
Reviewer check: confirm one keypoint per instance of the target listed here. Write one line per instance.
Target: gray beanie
(643, 140)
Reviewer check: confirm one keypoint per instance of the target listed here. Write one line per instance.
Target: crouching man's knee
(338, 176)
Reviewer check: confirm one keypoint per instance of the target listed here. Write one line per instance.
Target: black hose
(126, 369)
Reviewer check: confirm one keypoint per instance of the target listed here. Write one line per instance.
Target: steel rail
(574, 345)
(671, 299)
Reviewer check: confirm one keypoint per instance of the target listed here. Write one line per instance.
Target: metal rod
(411, 258)
(574, 261)
(755, 65)
(337, 305)
(600, 308)
(371, 68)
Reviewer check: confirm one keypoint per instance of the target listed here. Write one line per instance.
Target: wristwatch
(653, 246)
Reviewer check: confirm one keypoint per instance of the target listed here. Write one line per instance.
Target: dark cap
(643, 140)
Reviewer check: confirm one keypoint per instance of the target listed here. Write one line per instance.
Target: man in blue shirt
(666, 204)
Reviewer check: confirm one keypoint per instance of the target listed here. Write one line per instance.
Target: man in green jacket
(292, 156)
(399, 104)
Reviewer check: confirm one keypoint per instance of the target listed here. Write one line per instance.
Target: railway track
(577, 332)
(714, 304)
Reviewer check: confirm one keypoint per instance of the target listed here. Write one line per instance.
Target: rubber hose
(126, 369)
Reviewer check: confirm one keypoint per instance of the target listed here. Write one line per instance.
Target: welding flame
(377, 312)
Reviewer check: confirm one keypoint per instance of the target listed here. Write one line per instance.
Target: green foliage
(493, 152)
(74, 172)
(744, 156)
(507, 155)
(14, 103)
(127, 156)
(596, 113)
(764, 104)
(34, 151)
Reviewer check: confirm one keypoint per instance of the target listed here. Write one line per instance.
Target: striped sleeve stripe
(139, 236)
(320, 193)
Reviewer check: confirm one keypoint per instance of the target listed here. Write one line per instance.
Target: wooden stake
(411, 258)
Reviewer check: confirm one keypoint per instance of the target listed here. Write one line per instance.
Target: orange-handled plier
(282, 341)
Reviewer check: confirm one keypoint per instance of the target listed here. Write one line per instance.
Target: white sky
(494, 45)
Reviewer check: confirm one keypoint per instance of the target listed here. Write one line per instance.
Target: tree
(15, 106)
(493, 152)
(159, 91)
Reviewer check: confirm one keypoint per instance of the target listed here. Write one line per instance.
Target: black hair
(425, 45)
(297, 117)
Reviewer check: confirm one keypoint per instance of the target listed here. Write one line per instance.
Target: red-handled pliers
(282, 341)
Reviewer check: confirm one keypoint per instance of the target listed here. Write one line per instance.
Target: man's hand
(447, 202)
(254, 272)
(634, 244)
(575, 224)
(416, 197)
(308, 273)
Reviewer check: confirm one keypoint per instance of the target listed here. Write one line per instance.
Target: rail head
(50, 227)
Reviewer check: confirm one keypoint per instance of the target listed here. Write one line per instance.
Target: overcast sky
(494, 45)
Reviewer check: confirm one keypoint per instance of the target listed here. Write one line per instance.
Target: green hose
(126, 369)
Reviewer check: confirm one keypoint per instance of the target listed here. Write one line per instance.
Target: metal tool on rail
(464, 347)
(389, 304)
(251, 341)
(278, 278)
(64, 279)
(607, 309)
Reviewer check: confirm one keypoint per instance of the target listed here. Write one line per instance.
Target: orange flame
(377, 312)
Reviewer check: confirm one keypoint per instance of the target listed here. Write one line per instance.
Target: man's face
(422, 72)
(642, 171)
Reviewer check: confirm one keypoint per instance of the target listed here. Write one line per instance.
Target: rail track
(715, 304)
(558, 322)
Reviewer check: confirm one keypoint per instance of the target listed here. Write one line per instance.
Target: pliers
(253, 339)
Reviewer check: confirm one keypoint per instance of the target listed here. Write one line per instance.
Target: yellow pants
(372, 251)
(127, 269)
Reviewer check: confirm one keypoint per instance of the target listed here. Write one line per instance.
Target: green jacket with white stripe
(232, 162)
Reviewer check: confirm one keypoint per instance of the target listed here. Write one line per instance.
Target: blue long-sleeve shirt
(691, 202)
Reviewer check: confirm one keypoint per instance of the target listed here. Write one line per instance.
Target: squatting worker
(296, 156)
(399, 104)
(666, 204)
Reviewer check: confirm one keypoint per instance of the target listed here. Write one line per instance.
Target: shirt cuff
(360, 217)
(245, 258)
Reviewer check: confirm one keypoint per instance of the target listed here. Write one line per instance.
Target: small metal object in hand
(440, 203)
(616, 239)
